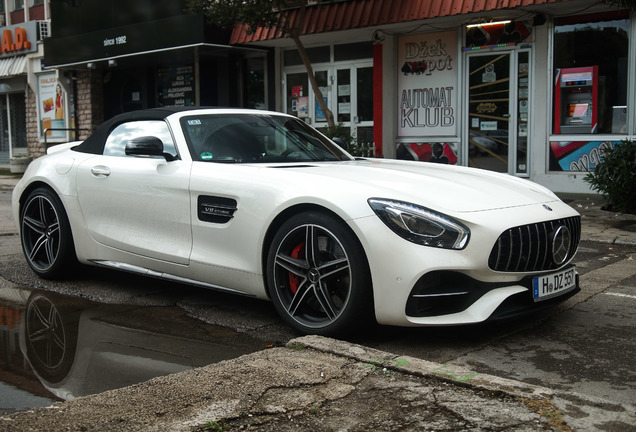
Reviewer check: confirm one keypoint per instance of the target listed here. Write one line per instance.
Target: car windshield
(256, 138)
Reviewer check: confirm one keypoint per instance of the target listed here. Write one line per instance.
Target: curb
(422, 368)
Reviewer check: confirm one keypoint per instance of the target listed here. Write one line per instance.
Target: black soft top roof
(95, 143)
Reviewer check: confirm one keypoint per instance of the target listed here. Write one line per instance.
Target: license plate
(553, 284)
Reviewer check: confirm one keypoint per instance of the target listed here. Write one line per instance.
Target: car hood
(453, 188)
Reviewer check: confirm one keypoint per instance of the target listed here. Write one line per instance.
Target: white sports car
(260, 204)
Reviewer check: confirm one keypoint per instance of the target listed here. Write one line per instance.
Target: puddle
(55, 347)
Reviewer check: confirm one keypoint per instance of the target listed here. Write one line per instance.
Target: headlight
(421, 225)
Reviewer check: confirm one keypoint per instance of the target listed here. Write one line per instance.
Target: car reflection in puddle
(76, 347)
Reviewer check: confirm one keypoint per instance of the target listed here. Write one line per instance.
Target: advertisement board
(51, 107)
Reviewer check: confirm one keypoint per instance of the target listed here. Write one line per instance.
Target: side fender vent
(215, 209)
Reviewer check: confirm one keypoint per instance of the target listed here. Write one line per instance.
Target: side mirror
(146, 146)
(342, 143)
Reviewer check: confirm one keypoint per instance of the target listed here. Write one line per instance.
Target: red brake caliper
(294, 280)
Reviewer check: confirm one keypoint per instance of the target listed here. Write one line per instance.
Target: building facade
(115, 56)
(532, 88)
(23, 25)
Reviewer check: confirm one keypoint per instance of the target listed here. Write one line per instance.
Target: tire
(51, 329)
(318, 276)
(45, 232)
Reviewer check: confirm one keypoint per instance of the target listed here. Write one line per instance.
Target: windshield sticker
(206, 156)
(194, 122)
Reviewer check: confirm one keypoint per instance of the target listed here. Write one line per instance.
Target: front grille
(528, 248)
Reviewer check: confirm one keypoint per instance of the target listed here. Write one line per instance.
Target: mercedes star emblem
(561, 242)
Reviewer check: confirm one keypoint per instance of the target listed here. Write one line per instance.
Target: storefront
(19, 45)
(344, 73)
(536, 91)
(119, 55)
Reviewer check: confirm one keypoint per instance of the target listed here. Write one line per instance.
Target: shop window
(591, 74)
(255, 84)
(316, 55)
(365, 94)
(13, 138)
(18, 121)
(298, 96)
(344, 95)
(354, 51)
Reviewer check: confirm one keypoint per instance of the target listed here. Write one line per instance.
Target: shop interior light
(488, 24)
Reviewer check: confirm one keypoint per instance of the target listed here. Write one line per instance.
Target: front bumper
(444, 298)
(401, 271)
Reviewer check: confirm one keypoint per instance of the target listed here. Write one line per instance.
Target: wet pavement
(62, 347)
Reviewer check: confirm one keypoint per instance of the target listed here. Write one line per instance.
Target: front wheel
(46, 234)
(318, 276)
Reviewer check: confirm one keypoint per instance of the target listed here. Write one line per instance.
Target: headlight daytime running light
(421, 225)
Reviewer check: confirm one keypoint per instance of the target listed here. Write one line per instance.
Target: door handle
(100, 171)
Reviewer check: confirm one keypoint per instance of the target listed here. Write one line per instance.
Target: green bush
(615, 177)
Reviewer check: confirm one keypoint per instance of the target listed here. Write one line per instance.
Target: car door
(139, 205)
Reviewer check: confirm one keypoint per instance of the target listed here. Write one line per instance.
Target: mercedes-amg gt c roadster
(260, 204)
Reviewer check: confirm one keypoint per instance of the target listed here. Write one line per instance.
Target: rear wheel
(51, 335)
(318, 276)
(46, 234)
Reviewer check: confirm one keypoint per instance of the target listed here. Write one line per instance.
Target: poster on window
(51, 107)
(577, 156)
(175, 86)
(427, 84)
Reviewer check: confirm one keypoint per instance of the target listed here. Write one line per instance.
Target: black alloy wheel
(46, 234)
(318, 276)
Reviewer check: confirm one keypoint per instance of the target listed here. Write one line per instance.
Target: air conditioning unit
(44, 29)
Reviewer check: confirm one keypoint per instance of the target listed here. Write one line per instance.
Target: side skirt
(166, 276)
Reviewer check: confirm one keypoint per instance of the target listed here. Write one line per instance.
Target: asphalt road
(582, 349)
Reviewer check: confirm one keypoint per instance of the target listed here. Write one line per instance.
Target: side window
(116, 142)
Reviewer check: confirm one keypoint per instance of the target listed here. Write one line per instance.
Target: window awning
(11, 66)
(217, 48)
(354, 14)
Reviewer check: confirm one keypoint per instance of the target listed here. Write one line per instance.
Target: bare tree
(270, 14)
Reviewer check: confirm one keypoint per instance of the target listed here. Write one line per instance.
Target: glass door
(348, 92)
(489, 111)
(354, 107)
(499, 111)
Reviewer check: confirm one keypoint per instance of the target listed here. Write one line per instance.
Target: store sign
(107, 43)
(427, 96)
(19, 39)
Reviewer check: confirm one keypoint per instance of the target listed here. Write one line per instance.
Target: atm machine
(576, 100)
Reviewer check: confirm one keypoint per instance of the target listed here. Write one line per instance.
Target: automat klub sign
(19, 39)
(427, 84)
